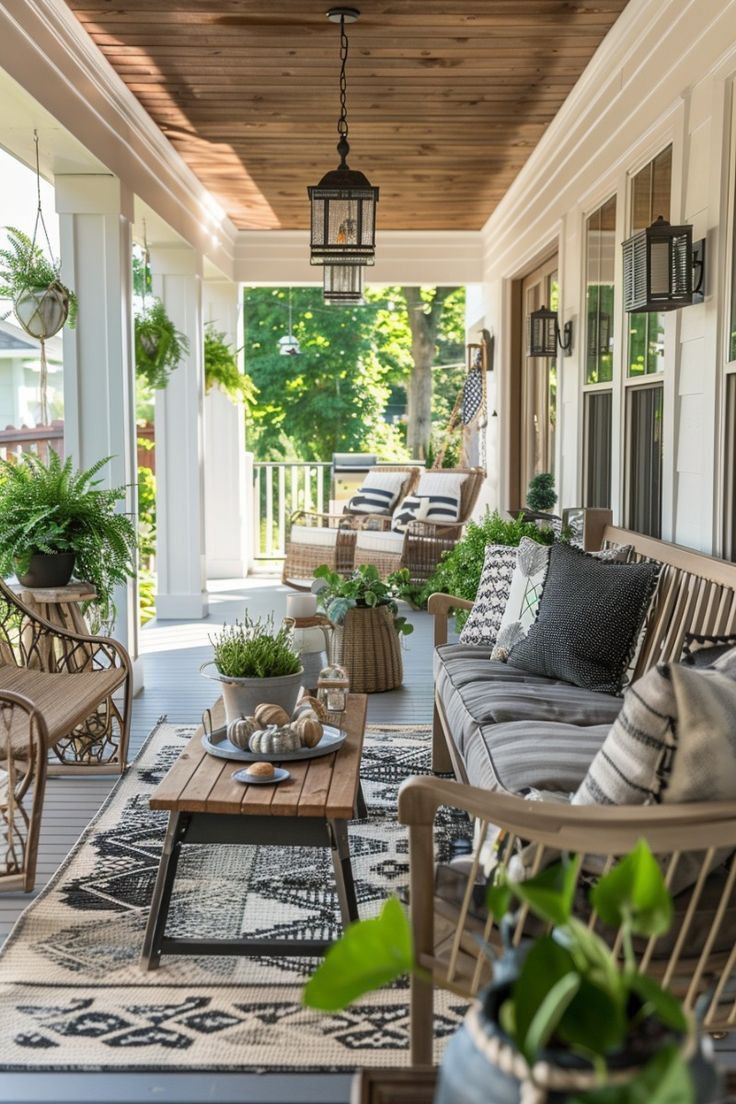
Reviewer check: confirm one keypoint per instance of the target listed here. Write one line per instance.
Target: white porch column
(224, 465)
(99, 383)
(180, 552)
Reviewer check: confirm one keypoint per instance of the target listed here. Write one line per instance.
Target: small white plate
(279, 775)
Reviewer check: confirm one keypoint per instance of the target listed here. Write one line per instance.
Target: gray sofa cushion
(515, 729)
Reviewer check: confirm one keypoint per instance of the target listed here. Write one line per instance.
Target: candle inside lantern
(301, 606)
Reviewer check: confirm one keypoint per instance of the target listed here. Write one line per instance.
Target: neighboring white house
(20, 370)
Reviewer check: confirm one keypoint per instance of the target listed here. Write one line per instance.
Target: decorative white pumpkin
(274, 741)
(240, 731)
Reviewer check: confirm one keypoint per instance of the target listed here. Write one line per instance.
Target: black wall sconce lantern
(343, 284)
(663, 269)
(343, 204)
(545, 334)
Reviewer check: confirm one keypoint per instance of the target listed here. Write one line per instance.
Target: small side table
(59, 605)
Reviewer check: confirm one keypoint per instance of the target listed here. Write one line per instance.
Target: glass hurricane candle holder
(333, 686)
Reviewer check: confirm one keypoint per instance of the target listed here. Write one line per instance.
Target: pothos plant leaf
(550, 894)
(370, 954)
(634, 891)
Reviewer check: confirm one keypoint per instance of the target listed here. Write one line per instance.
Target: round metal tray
(216, 743)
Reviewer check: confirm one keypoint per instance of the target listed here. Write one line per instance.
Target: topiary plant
(541, 495)
(460, 571)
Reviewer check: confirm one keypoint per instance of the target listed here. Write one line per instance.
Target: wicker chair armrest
(378, 523)
(440, 606)
(317, 520)
(10, 700)
(432, 530)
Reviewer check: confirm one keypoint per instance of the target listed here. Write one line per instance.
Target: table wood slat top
(325, 787)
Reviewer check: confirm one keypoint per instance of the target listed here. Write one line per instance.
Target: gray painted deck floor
(173, 652)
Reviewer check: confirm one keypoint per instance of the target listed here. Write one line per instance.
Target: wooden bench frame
(695, 593)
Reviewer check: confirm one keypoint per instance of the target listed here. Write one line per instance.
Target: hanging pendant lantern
(344, 202)
(343, 285)
(288, 344)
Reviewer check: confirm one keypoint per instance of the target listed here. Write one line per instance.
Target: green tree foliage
(346, 390)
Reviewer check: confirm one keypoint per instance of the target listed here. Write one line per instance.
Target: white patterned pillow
(482, 625)
(443, 490)
(378, 493)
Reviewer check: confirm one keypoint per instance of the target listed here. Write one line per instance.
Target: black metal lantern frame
(343, 204)
(343, 284)
(545, 334)
(663, 269)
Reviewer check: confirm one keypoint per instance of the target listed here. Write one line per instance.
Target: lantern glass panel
(659, 270)
(343, 284)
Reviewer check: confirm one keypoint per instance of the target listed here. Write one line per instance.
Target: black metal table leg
(161, 900)
(361, 809)
(343, 871)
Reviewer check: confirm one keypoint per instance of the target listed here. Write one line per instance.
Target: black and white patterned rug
(72, 992)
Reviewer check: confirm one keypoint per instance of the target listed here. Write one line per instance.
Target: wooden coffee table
(311, 809)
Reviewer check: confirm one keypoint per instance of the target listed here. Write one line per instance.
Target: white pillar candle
(301, 605)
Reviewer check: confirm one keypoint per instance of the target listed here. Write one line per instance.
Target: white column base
(182, 607)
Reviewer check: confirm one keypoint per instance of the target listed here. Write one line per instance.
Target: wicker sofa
(499, 730)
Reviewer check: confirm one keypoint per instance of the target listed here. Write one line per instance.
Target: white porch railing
(280, 488)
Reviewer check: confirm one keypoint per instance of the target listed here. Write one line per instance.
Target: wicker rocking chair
(316, 539)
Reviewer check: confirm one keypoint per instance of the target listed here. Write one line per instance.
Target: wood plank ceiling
(446, 98)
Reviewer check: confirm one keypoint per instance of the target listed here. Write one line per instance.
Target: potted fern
(55, 521)
(159, 346)
(43, 305)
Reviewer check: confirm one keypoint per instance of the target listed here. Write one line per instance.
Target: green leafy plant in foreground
(460, 570)
(49, 507)
(571, 992)
(363, 589)
(254, 649)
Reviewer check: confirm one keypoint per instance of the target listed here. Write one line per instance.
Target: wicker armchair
(23, 750)
(696, 959)
(316, 539)
(424, 543)
(81, 685)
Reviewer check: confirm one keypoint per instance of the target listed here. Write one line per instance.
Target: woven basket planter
(368, 646)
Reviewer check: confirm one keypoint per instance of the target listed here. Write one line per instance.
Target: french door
(538, 397)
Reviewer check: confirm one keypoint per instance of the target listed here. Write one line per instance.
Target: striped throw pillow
(378, 493)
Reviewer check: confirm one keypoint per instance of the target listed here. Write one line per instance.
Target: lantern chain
(342, 124)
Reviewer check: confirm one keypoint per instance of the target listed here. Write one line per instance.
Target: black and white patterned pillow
(378, 494)
(481, 628)
(589, 618)
(410, 509)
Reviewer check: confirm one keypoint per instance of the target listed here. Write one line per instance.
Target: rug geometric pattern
(72, 992)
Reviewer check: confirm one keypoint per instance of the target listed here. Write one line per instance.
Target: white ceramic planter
(241, 696)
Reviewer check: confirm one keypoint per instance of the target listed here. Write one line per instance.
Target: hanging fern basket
(42, 311)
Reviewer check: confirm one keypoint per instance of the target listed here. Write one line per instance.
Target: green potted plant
(460, 570)
(55, 521)
(564, 1019)
(159, 346)
(364, 612)
(256, 664)
(221, 368)
(43, 305)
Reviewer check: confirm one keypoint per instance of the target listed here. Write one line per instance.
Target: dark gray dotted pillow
(589, 619)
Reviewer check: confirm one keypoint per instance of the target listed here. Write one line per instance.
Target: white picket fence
(279, 488)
